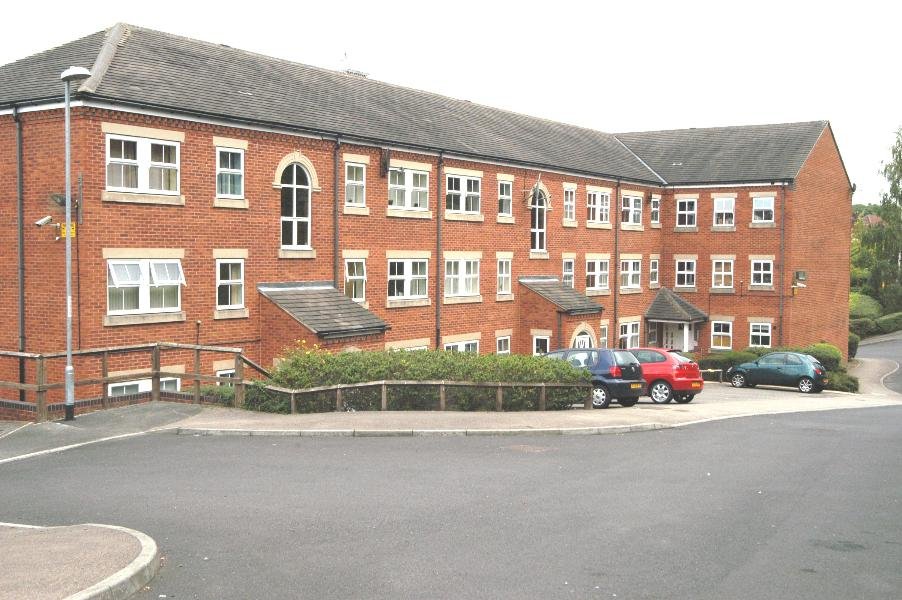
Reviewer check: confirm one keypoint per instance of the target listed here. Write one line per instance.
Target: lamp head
(75, 74)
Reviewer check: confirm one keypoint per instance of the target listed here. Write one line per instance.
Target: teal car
(793, 369)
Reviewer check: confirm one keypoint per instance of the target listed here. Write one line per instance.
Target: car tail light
(818, 372)
(616, 371)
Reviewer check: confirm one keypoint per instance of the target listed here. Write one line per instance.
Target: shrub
(219, 394)
(891, 297)
(725, 360)
(827, 354)
(841, 381)
(862, 327)
(853, 344)
(863, 306)
(889, 323)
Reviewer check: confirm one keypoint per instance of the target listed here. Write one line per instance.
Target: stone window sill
(505, 219)
(406, 213)
(230, 203)
(627, 291)
(538, 255)
(654, 286)
(462, 299)
(407, 303)
(656, 226)
(598, 292)
(141, 198)
(723, 228)
(356, 210)
(289, 253)
(594, 225)
(144, 319)
(715, 290)
(681, 229)
(568, 223)
(231, 313)
(770, 225)
(504, 298)
(684, 289)
(632, 227)
(761, 288)
(472, 218)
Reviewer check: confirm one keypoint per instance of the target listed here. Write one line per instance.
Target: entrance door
(673, 336)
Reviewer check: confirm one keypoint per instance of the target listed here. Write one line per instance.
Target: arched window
(537, 211)
(295, 207)
(582, 340)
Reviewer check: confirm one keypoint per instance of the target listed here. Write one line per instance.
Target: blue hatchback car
(794, 369)
(616, 374)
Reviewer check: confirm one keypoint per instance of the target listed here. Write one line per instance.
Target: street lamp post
(68, 76)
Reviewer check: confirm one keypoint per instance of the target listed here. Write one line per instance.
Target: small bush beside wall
(862, 327)
(863, 306)
(853, 344)
(889, 323)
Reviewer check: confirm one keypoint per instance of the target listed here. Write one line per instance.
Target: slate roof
(567, 299)
(323, 309)
(669, 306)
(750, 153)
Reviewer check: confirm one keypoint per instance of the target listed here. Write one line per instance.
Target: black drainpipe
(20, 215)
(614, 264)
(335, 207)
(782, 255)
(439, 212)
(560, 331)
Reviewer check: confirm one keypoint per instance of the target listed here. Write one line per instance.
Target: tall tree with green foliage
(877, 249)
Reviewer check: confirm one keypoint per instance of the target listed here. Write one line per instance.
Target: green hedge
(725, 360)
(862, 327)
(829, 355)
(853, 344)
(863, 306)
(889, 323)
(842, 381)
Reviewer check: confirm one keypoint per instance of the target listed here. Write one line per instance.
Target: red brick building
(221, 193)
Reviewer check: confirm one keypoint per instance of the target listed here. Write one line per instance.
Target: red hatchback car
(670, 376)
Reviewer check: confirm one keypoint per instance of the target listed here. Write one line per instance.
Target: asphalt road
(789, 506)
(891, 349)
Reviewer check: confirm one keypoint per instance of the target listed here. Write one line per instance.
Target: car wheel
(737, 380)
(660, 392)
(601, 398)
(684, 398)
(806, 385)
(628, 402)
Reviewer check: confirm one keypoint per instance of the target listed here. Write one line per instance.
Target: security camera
(43, 221)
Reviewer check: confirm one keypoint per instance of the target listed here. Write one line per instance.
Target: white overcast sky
(615, 67)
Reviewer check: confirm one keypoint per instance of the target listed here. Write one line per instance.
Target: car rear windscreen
(624, 358)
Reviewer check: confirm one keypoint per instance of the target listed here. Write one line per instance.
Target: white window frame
(408, 189)
(655, 210)
(763, 329)
(146, 385)
(460, 274)
(294, 219)
(768, 206)
(144, 164)
(503, 344)
(349, 278)
(229, 282)
(725, 208)
(505, 280)
(225, 373)
(505, 198)
(761, 273)
(600, 275)
(536, 339)
(568, 275)
(408, 278)
(603, 336)
(725, 330)
(468, 195)
(220, 170)
(465, 346)
(687, 211)
(356, 184)
(630, 274)
(719, 276)
(538, 223)
(688, 274)
(653, 271)
(144, 283)
(598, 207)
(569, 204)
(629, 335)
(583, 337)
(631, 210)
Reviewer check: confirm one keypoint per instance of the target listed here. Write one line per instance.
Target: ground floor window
(468, 346)
(721, 335)
(226, 373)
(126, 388)
(759, 335)
(583, 340)
(540, 344)
(651, 334)
(503, 345)
(629, 335)
(603, 336)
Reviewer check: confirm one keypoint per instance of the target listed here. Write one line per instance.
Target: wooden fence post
(155, 374)
(197, 375)
(294, 403)
(542, 397)
(104, 373)
(441, 396)
(240, 389)
(339, 403)
(41, 379)
(587, 403)
(499, 398)
(384, 396)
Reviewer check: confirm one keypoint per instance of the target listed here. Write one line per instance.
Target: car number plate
(696, 384)
(635, 386)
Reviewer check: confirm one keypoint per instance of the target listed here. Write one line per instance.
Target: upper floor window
(597, 274)
(229, 173)
(686, 212)
(724, 211)
(762, 272)
(355, 279)
(142, 165)
(295, 207)
(144, 286)
(461, 277)
(685, 273)
(408, 189)
(567, 273)
(763, 209)
(722, 274)
(598, 207)
(655, 209)
(355, 184)
(569, 204)
(653, 271)
(229, 283)
(505, 198)
(463, 194)
(504, 276)
(407, 278)
(630, 274)
(537, 222)
(631, 210)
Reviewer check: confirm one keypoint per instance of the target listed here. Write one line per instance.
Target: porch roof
(567, 299)
(669, 306)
